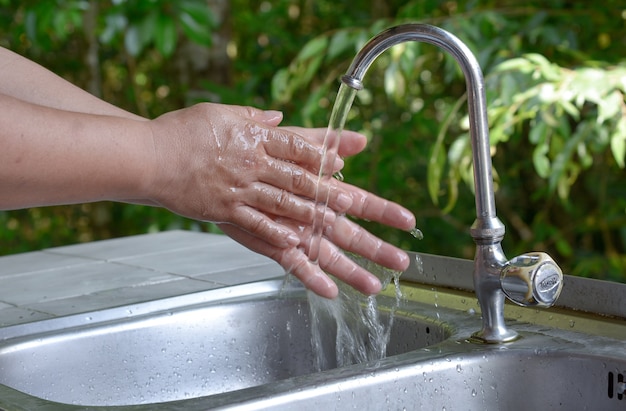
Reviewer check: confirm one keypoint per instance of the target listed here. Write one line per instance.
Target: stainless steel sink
(465, 377)
(187, 347)
(248, 347)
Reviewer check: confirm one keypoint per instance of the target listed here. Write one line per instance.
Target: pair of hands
(228, 164)
(234, 166)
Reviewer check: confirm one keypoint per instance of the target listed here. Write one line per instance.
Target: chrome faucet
(532, 279)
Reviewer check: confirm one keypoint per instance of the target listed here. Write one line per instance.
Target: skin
(228, 164)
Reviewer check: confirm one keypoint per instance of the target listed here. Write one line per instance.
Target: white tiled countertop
(105, 274)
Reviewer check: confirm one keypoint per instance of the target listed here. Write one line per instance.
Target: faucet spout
(487, 230)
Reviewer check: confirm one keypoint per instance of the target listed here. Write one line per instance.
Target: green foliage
(138, 24)
(555, 86)
(557, 127)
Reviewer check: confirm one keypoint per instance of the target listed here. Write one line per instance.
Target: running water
(360, 332)
(351, 329)
(338, 116)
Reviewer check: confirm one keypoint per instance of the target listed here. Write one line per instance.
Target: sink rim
(413, 364)
(461, 325)
(121, 318)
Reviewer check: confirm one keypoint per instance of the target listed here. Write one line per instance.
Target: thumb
(268, 117)
(271, 117)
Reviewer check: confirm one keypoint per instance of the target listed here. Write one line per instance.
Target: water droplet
(419, 264)
(417, 233)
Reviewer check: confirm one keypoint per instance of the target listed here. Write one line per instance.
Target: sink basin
(468, 378)
(248, 347)
(186, 347)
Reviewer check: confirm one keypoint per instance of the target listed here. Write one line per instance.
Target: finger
(293, 147)
(293, 260)
(263, 227)
(268, 117)
(296, 262)
(351, 142)
(280, 202)
(354, 238)
(335, 262)
(368, 206)
(297, 180)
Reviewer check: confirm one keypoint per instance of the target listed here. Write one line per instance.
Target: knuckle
(283, 200)
(300, 181)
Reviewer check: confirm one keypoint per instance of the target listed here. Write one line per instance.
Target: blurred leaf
(541, 160)
(280, 86)
(618, 142)
(133, 41)
(563, 160)
(340, 42)
(197, 22)
(313, 49)
(165, 40)
(436, 164)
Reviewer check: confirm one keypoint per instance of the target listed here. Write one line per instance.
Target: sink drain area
(617, 386)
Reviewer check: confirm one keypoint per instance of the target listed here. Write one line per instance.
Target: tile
(16, 315)
(17, 264)
(245, 275)
(199, 260)
(123, 296)
(74, 281)
(144, 244)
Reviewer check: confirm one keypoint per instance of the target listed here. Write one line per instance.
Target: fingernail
(293, 239)
(272, 115)
(403, 260)
(375, 286)
(339, 163)
(408, 216)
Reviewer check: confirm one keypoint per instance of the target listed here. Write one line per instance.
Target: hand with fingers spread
(228, 164)
(260, 183)
(339, 234)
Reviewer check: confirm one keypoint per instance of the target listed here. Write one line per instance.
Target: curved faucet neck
(487, 228)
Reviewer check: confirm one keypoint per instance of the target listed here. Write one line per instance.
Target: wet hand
(339, 234)
(233, 165)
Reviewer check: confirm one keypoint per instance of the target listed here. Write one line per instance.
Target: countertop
(105, 274)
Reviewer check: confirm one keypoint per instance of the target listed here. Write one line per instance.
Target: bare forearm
(25, 80)
(52, 156)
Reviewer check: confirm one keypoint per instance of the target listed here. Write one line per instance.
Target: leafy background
(555, 77)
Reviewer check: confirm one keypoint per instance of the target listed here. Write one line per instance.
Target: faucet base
(493, 337)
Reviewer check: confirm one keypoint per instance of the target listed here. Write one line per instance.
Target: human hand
(339, 233)
(233, 166)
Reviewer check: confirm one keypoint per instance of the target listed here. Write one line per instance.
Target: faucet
(531, 279)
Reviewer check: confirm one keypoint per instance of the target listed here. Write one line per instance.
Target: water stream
(362, 333)
(338, 117)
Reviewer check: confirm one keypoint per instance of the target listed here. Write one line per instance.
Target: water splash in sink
(362, 333)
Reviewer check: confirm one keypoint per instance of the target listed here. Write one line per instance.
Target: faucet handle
(532, 279)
